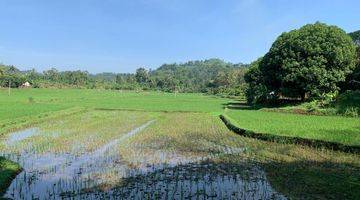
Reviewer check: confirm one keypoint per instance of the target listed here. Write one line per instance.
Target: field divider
(233, 126)
(142, 110)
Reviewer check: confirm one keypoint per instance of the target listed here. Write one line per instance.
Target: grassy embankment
(8, 170)
(332, 132)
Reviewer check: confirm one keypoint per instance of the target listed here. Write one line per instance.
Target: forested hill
(355, 36)
(200, 75)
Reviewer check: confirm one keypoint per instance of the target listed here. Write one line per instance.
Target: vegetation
(200, 135)
(8, 171)
(212, 76)
(306, 64)
(18, 104)
(326, 128)
(353, 80)
(355, 36)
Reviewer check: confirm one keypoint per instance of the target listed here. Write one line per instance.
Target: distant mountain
(355, 36)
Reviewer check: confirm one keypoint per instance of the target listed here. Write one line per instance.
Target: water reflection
(192, 181)
(104, 174)
(21, 135)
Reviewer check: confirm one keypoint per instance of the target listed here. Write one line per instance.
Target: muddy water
(103, 173)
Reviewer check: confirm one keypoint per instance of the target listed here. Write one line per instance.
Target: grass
(8, 171)
(327, 128)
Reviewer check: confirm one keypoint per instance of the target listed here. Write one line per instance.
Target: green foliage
(308, 62)
(142, 76)
(348, 103)
(353, 80)
(8, 171)
(11, 79)
(256, 91)
(2, 71)
(211, 76)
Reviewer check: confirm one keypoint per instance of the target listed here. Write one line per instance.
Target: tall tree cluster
(306, 63)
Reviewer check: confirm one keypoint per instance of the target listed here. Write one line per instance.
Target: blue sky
(119, 36)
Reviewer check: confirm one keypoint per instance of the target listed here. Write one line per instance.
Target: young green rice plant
(327, 128)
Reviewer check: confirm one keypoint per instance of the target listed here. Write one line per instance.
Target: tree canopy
(307, 62)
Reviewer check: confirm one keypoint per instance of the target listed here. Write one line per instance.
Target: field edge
(233, 126)
(9, 170)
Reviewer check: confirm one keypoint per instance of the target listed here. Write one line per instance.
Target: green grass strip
(233, 126)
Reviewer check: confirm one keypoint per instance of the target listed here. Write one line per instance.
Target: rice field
(98, 152)
(168, 147)
(327, 128)
(30, 102)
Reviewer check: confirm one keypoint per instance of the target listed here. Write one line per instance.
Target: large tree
(142, 76)
(308, 62)
(353, 80)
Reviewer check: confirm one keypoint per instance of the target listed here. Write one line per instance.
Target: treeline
(209, 76)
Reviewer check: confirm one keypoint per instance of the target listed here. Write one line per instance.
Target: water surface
(104, 173)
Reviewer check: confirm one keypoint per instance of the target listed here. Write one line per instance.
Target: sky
(120, 36)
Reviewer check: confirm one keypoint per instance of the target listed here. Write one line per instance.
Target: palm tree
(2, 71)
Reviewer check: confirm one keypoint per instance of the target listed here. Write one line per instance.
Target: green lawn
(328, 128)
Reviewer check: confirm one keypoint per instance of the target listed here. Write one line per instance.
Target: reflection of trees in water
(207, 180)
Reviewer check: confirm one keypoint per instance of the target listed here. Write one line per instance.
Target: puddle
(103, 173)
(21, 135)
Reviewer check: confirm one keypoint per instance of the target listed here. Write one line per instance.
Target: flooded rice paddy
(130, 156)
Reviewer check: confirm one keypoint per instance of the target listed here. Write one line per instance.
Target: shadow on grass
(243, 105)
(314, 180)
(239, 106)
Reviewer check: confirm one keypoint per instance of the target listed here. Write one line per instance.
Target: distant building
(26, 85)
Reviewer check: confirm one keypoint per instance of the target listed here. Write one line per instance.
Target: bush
(348, 103)
(352, 112)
